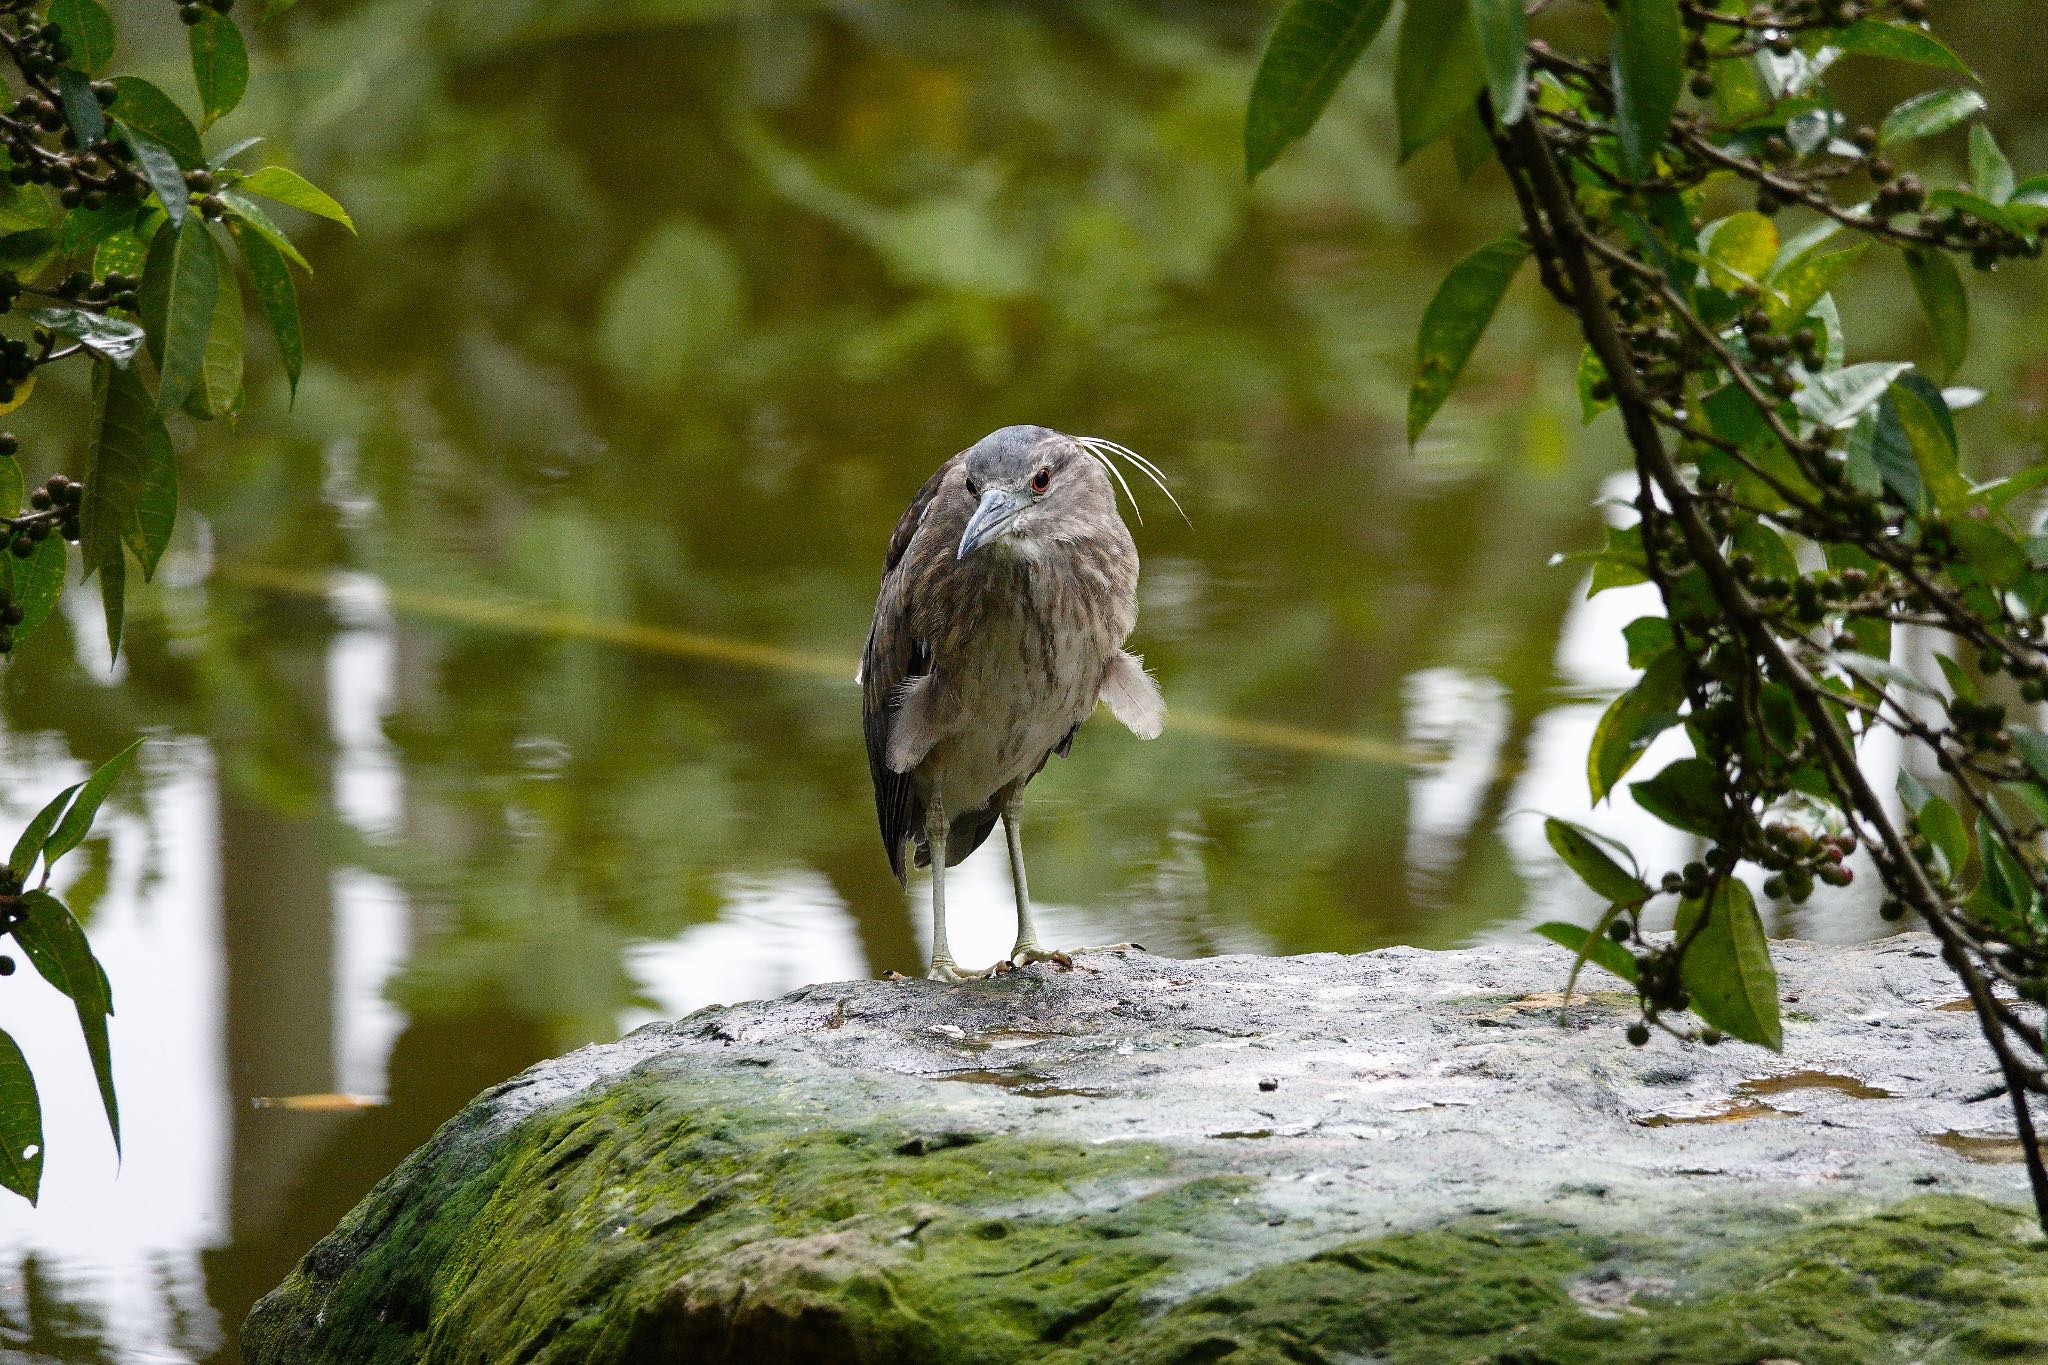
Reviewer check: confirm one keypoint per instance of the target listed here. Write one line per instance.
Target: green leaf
(1880, 457)
(77, 821)
(1727, 969)
(1454, 322)
(1990, 173)
(131, 489)
(1937, 111)
(160, 169)
(277, 297)
(220, 65)
(1837, 398)
(81, 107)
(1437, 73)
(1764, 545)
(180, 286)
(52, 940)
(1591, 373)
(113, 599)
(29, 846)
(220, 388)
(1649, 51)
(289, 187)
(1591, 946)
(1998, 559)
(38, 583)
(1583, 854)
(1312, 47)
(1959, 680)
(106, 336)
(21, 1123)
(1739, 250)
(1944, 829)
(248, 213)
(1685, 796)
(85, 227)
(1900, 42)
(1632, 721)
(1920, 412)
(2033, 747)
(1503, 50)
(123, 251)
(88, 31)
(1944, 303)
(1801, 282)
(142, 108)
(1647, 637)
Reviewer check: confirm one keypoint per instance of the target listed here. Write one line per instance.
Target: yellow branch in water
(527, 618)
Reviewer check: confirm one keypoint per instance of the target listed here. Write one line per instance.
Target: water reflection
(500, 689)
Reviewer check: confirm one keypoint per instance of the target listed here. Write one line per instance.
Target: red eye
(1042, 480)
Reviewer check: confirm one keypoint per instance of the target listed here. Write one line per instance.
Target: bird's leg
(935, 832)
(1027, 949)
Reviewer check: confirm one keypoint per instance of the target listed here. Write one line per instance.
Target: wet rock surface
(1395, 1156)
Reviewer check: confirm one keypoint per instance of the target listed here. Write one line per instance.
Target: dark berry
(1638, 1034)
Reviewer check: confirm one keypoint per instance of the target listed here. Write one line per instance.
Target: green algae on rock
(1302, 1159)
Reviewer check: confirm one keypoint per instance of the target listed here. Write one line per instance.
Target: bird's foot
(943, 969)
(1024, 954)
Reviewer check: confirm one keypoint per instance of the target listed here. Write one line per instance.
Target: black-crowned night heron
(1008, 591)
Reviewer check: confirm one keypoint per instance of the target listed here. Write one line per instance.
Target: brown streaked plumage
(1008, 590)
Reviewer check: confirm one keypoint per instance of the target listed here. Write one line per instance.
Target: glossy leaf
(1632, 721)
(1990, 173)
(1455, 320)
(1926, 115)
(1739, 250)
(277, 297)
(1944, 829)
(289, 187)
(29, 846)
(81, 107)
(1837, 398)
(1591, 946)
(21, 1123)
(77, 821)
(2033, 750)
(131, 492)
(88, 32)
(1944, 303)
(1799, 284)
(1437, 72)
(38, 583)
(1503, 52)
(1685, 796)
(1880, 458)
(160, 169)
(1727, 967)
(219, 392)
(1312, 47)
(114, 600)
(142, 108)
(111, 338)
(247, 213)
(1582, 853)
(1649, 51)
(1900, 42)
(220, 65)
(180, 286)
(52, 940)
(1647, 637)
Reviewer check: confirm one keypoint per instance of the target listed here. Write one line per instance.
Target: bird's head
(1031, 486)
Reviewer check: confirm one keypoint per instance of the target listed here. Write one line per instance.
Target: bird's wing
(894, 656)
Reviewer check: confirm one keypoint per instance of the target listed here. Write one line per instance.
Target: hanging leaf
(1591, 946)
(1649, 67)
(106, 336)
(52, 940)
(142, 108)
(1503, 50)
(1880, 457)
(1990, 173)
(1739, 250)
(29, 846)
(160, 169)
(1944, 830)
(180, 286)
(1836, 399)
(1455, 320)
(114, 600)
(77, 821)
(277, 297)
(38, 583)
(1581, 852)
(1937, 111)
(88, 32)
(21, 1123)
(1685, 796)
(81, 107)
(1437, 72)
(1943, 302)
(1799, 283)
(219, 392)
(289, 187)
(1315, 43)
(1632, 721)
(1900, 42)
(220, 65)
(131, 490)
(1727, 969)
(247, 213)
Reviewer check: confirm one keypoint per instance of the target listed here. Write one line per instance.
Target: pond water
(499, 691)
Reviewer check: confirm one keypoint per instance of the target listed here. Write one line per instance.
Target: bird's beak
(998, 505)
